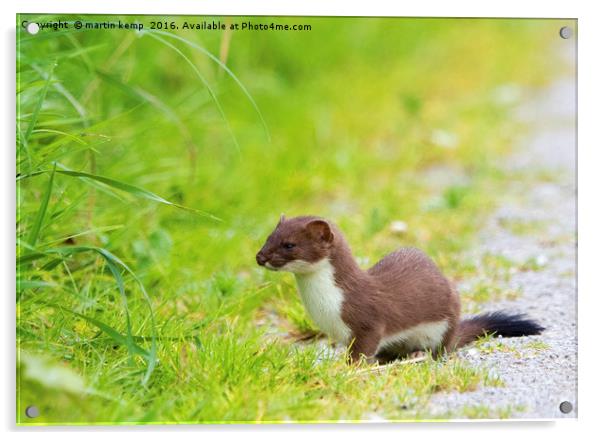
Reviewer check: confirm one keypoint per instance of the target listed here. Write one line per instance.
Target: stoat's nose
(261, 259)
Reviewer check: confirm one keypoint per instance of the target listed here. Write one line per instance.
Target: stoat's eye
(288, 245)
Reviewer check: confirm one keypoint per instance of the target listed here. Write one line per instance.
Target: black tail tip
(509, 325)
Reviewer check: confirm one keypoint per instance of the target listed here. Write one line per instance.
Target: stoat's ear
(320, 230)
(282, 219)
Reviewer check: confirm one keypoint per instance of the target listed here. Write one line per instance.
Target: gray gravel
(536, 380)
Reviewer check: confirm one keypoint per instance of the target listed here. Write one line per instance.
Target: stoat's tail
(498, 323)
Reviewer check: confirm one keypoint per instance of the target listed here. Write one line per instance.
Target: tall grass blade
(38, 107)
(73, 137)
(114, 334)
(37, 224)
(111, 262)
(134, 190)
(29, 257)
(86, 232)
(125, 187)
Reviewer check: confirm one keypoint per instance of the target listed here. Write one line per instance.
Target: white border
(510, 8)
(590, 219)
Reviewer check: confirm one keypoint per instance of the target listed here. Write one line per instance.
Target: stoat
(401, 305)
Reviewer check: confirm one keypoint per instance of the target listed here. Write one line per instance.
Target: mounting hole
(32, 411)
(566, 32)
(32, 28)
(566, 407)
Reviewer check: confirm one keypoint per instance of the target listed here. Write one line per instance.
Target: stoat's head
(297, 245)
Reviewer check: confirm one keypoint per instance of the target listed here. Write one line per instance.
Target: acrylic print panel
(155, 156)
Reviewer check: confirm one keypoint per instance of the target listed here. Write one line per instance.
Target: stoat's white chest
(322, 298)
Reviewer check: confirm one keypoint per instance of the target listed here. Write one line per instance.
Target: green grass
(151, 167)
(490, 344)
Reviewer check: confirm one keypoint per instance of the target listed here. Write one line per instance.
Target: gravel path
(537, 377)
